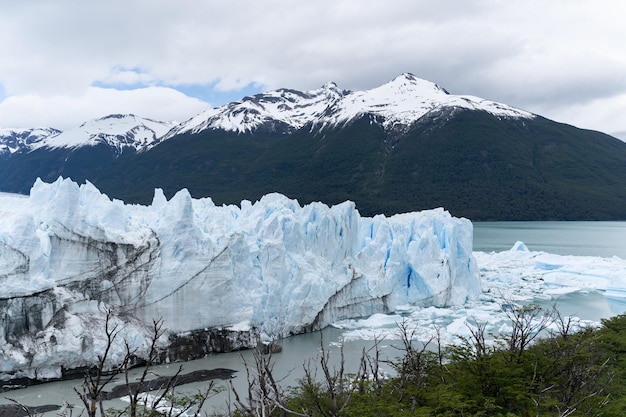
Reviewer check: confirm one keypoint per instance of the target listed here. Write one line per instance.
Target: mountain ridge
(400, 102)
(118, 131)
(15, 140)
(404, 146)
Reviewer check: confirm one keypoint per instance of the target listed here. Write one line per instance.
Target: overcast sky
(63, 62)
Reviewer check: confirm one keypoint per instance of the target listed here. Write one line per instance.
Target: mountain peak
(118, 131)
(410, 79)
(397, 104)
(279, 111)
(118, 116)
(17, 140)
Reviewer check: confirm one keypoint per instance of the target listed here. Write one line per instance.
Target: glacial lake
(602, 239)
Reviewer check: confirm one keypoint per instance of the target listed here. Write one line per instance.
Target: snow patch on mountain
(406, 99)
(118, 131)
(398, 103)
(19, 140)
(283, 110)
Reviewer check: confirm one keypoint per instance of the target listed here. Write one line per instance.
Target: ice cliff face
(67, 252)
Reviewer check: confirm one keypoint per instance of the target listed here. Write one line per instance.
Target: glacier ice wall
(68, 252)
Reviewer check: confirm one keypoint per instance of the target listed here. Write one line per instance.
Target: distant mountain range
(404, 146)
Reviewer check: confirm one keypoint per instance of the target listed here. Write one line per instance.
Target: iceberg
(583, 289)
(69, 254)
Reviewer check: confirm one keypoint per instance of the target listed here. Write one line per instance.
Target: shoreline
(120, 390)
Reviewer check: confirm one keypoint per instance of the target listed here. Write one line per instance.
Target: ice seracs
(584, 289)
(68, 252)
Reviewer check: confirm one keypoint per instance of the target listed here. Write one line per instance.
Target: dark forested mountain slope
(470, 162)
(404, 146)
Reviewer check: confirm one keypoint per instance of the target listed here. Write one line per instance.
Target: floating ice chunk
(520, 246)
(460, 327)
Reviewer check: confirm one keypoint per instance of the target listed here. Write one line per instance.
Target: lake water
(288, 366)
(603, 239)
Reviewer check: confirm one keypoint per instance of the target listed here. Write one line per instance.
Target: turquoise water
(605, 239)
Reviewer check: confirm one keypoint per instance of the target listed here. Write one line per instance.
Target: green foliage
(612, 339)
(566, 374)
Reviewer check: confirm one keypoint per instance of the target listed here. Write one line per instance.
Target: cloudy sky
(63, 62)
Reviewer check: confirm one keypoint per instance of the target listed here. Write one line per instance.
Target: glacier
(273, 268)
(584, 289)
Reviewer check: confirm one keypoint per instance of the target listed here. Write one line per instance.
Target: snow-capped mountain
(405, 145)
(397, 104)
(18, 140)
(118, 131)
(282, 111)
(407, 98)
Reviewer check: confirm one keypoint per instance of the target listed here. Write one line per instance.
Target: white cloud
(66, 111)
(127, 77)
(604, 114)
(537, 55)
